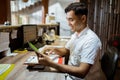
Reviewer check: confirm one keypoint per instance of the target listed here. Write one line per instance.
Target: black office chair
(109, 63)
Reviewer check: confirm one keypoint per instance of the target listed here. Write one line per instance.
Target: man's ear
(84, 18)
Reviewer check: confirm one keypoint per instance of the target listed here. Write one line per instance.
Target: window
(25, 12)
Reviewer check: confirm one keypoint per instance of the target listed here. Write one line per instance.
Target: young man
(83, 48)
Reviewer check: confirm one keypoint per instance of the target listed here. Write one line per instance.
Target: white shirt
(85, 48)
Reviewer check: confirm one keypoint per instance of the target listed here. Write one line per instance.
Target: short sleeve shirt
(83, 48)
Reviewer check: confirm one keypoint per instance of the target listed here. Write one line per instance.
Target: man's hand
(44, 59)
(49, 50)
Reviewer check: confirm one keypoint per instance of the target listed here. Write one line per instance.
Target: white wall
(57, 7)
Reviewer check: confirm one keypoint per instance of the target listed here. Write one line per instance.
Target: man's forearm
(61, 51)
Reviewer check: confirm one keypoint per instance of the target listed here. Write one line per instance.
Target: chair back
(109, 63)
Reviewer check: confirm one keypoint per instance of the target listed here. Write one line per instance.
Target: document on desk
(56, 58)
(33, 59)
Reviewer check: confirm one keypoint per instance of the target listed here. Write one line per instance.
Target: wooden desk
(20, 71)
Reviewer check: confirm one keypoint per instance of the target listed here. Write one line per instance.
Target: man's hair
(78, 8)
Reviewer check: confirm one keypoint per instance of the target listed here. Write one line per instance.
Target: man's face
(74, 21)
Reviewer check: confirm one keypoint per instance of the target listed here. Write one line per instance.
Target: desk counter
(20, 71)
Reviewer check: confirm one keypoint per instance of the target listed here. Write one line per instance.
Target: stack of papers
(33, 59)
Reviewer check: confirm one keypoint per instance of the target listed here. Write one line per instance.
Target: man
(83, 48)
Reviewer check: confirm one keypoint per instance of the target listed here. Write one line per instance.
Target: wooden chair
(109, 63)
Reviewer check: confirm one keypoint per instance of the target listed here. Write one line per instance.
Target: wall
(104, 18)
(4, 11)
(57, 7)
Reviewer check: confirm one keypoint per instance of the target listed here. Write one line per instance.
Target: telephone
(46, 36)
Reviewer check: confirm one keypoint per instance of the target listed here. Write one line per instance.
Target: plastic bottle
(52, 34)
(47, 20)
(52, 18)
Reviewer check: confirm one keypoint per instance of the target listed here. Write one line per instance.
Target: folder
(5, 69)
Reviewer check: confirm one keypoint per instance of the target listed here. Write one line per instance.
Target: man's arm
(61, 51)
(80, 71)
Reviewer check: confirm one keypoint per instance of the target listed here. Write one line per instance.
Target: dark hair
(78, 8)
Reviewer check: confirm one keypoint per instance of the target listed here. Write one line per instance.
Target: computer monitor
(29, 33)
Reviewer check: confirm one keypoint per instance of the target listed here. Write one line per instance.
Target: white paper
(4, 67)
(14, 34)
(34, 60)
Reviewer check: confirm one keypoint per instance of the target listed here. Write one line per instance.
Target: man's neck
(84, 26)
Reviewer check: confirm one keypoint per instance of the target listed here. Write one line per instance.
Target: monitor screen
(29, 33)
